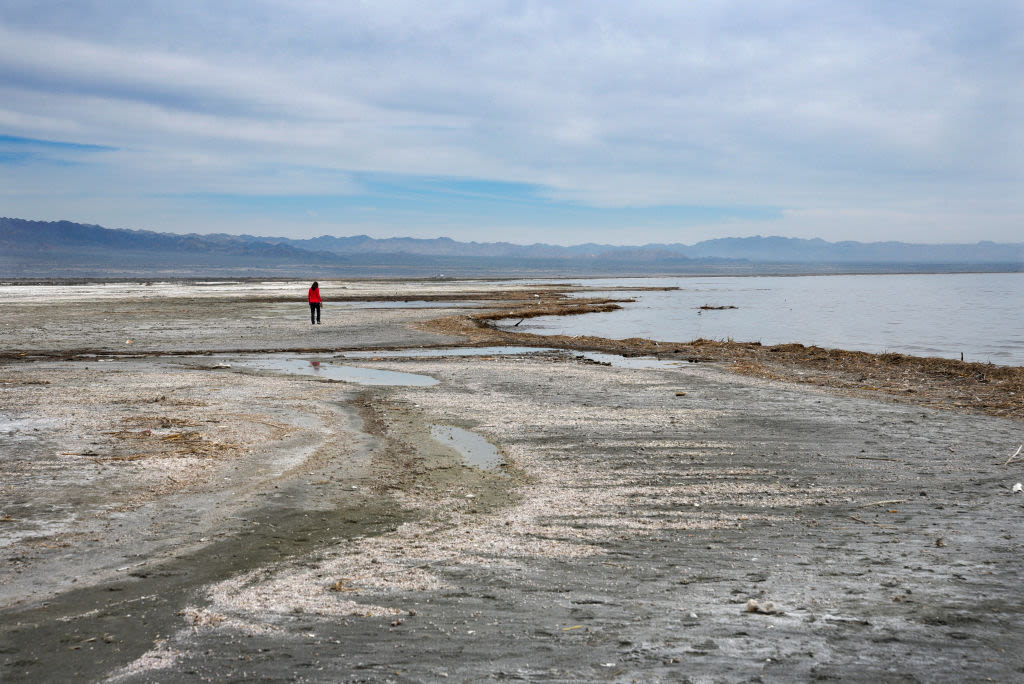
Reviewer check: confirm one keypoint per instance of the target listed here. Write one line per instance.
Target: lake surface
(979, 314)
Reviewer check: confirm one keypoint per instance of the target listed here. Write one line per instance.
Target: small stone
(765, 607)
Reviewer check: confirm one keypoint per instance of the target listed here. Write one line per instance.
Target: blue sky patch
(14, 141)
(15, 151)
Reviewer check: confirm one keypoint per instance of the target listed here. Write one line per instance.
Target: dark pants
(314, 312)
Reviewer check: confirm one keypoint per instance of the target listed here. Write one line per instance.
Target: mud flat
(174, 516)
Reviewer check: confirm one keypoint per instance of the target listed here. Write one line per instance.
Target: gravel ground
(185, 518)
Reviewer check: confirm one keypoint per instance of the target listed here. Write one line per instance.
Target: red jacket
(314, 296)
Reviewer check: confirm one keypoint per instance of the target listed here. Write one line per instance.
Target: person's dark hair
(316, 285)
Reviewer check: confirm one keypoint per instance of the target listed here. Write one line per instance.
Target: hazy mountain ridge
(755, 249)
(799, 250)
(442, 247)
(65, 248)
(18, 235)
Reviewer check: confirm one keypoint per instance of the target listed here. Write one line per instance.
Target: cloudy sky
(562, 122)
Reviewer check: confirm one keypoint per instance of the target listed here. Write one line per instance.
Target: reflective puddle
(477, 451)
(451, 351)
(331, 371)
(328, 370)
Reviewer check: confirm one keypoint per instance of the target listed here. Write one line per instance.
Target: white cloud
(857, 107)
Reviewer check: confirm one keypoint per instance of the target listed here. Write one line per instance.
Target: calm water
(981, 315)
(329, 371)
(477, 451)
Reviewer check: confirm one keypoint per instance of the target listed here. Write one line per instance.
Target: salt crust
(158, 658)
(142, 432)
(201, 618)
(567, 511)
(162, 657)
(64, 293)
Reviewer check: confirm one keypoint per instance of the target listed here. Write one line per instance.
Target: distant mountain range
(65, 249)
(758, 249)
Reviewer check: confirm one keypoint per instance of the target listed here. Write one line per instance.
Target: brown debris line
(572, 307)
(118, 459)
(708, 307)
(928, 381)
(632, 288)
(945, 384)
(174, 444)
(160, 422)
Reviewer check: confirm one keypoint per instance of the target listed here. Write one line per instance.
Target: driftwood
(868, 522)
(1014, 454)
(883, 503)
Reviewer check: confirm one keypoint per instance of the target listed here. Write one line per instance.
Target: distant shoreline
(754, 272)
(948, 384)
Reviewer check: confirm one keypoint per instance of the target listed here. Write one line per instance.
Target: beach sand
(170, 513)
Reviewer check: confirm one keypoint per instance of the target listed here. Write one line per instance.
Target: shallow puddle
(450, 351)
(23, 429)
(477, 451)
(331, 371)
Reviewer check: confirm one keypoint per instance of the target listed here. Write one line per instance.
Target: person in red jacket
(314, 303)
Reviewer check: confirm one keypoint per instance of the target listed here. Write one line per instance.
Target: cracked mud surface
(167, 520)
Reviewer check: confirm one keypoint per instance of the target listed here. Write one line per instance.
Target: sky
(559, 122)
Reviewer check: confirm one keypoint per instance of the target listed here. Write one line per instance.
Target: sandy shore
(170, 512)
